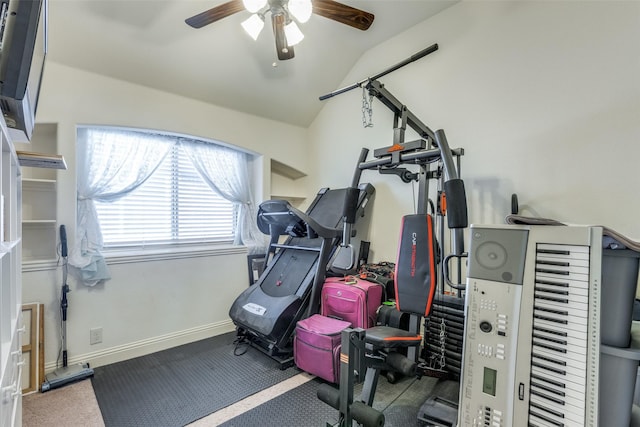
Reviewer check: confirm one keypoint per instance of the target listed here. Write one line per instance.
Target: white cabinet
(10, 284)
(11, 403)
(39, 201)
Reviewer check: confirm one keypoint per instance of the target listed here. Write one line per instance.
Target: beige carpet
(73, 405)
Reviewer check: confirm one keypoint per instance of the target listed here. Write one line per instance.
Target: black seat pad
(388, 337)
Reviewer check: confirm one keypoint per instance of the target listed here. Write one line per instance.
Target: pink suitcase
(316, 346)
(351, 299)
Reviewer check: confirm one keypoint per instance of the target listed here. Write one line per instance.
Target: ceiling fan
(284, 13)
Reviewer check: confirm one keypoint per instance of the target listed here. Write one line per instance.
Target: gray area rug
(175, 387)
(300, 407)
(296, 408)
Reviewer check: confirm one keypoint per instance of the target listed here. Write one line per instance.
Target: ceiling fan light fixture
(300, 9)
(253, 25)
(285, 15)
(254, 5)
(293, 34)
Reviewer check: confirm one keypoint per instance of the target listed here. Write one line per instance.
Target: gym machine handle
(351, 205)
(351, 201)
(358, 172)
(445, 268)
(453, 186)
(456, 203)
(350, 211)
(321, 230)
(456, 197)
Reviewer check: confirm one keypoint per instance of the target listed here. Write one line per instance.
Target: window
(174, 205)
(140, 188)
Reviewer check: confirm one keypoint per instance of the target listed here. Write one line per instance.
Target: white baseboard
(147, 346)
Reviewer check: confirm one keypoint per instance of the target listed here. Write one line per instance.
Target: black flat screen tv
(23, 48)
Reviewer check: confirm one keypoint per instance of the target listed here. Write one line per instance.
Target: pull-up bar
(401, 64)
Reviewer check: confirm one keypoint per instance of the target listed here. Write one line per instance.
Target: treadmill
(288, 290)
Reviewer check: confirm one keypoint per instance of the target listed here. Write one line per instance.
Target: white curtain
(106, 173)
(226, 171)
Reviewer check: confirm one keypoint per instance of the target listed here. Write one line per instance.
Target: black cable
(239, 341)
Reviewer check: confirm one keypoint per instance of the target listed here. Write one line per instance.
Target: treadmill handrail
(298, 247)
(321, 230)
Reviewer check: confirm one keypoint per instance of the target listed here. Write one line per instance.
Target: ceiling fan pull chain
(367, 109)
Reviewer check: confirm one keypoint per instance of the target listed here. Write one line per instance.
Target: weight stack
(451, 309)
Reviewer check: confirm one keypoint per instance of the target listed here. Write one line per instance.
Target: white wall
(154, 304)
(543, 96)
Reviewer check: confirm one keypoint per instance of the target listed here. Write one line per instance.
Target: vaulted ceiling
(147, 42)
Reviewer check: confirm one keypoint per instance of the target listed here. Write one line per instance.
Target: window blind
(174, 206)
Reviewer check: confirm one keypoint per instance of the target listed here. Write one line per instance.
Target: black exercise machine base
(283, 357)
(285, 360)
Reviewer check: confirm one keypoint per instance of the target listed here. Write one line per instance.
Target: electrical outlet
(95, 336)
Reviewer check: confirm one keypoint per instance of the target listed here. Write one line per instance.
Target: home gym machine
(420, 267)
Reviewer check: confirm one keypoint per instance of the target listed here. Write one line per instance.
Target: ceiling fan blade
(215, 14)
(342, 13)
(284, 52)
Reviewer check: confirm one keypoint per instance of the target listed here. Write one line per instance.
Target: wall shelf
(39, 195)
(41, 160)
(286, 170)
(284, 183)
(37, 181)
(291, 199)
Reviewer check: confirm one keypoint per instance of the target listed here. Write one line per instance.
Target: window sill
(126, 256)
